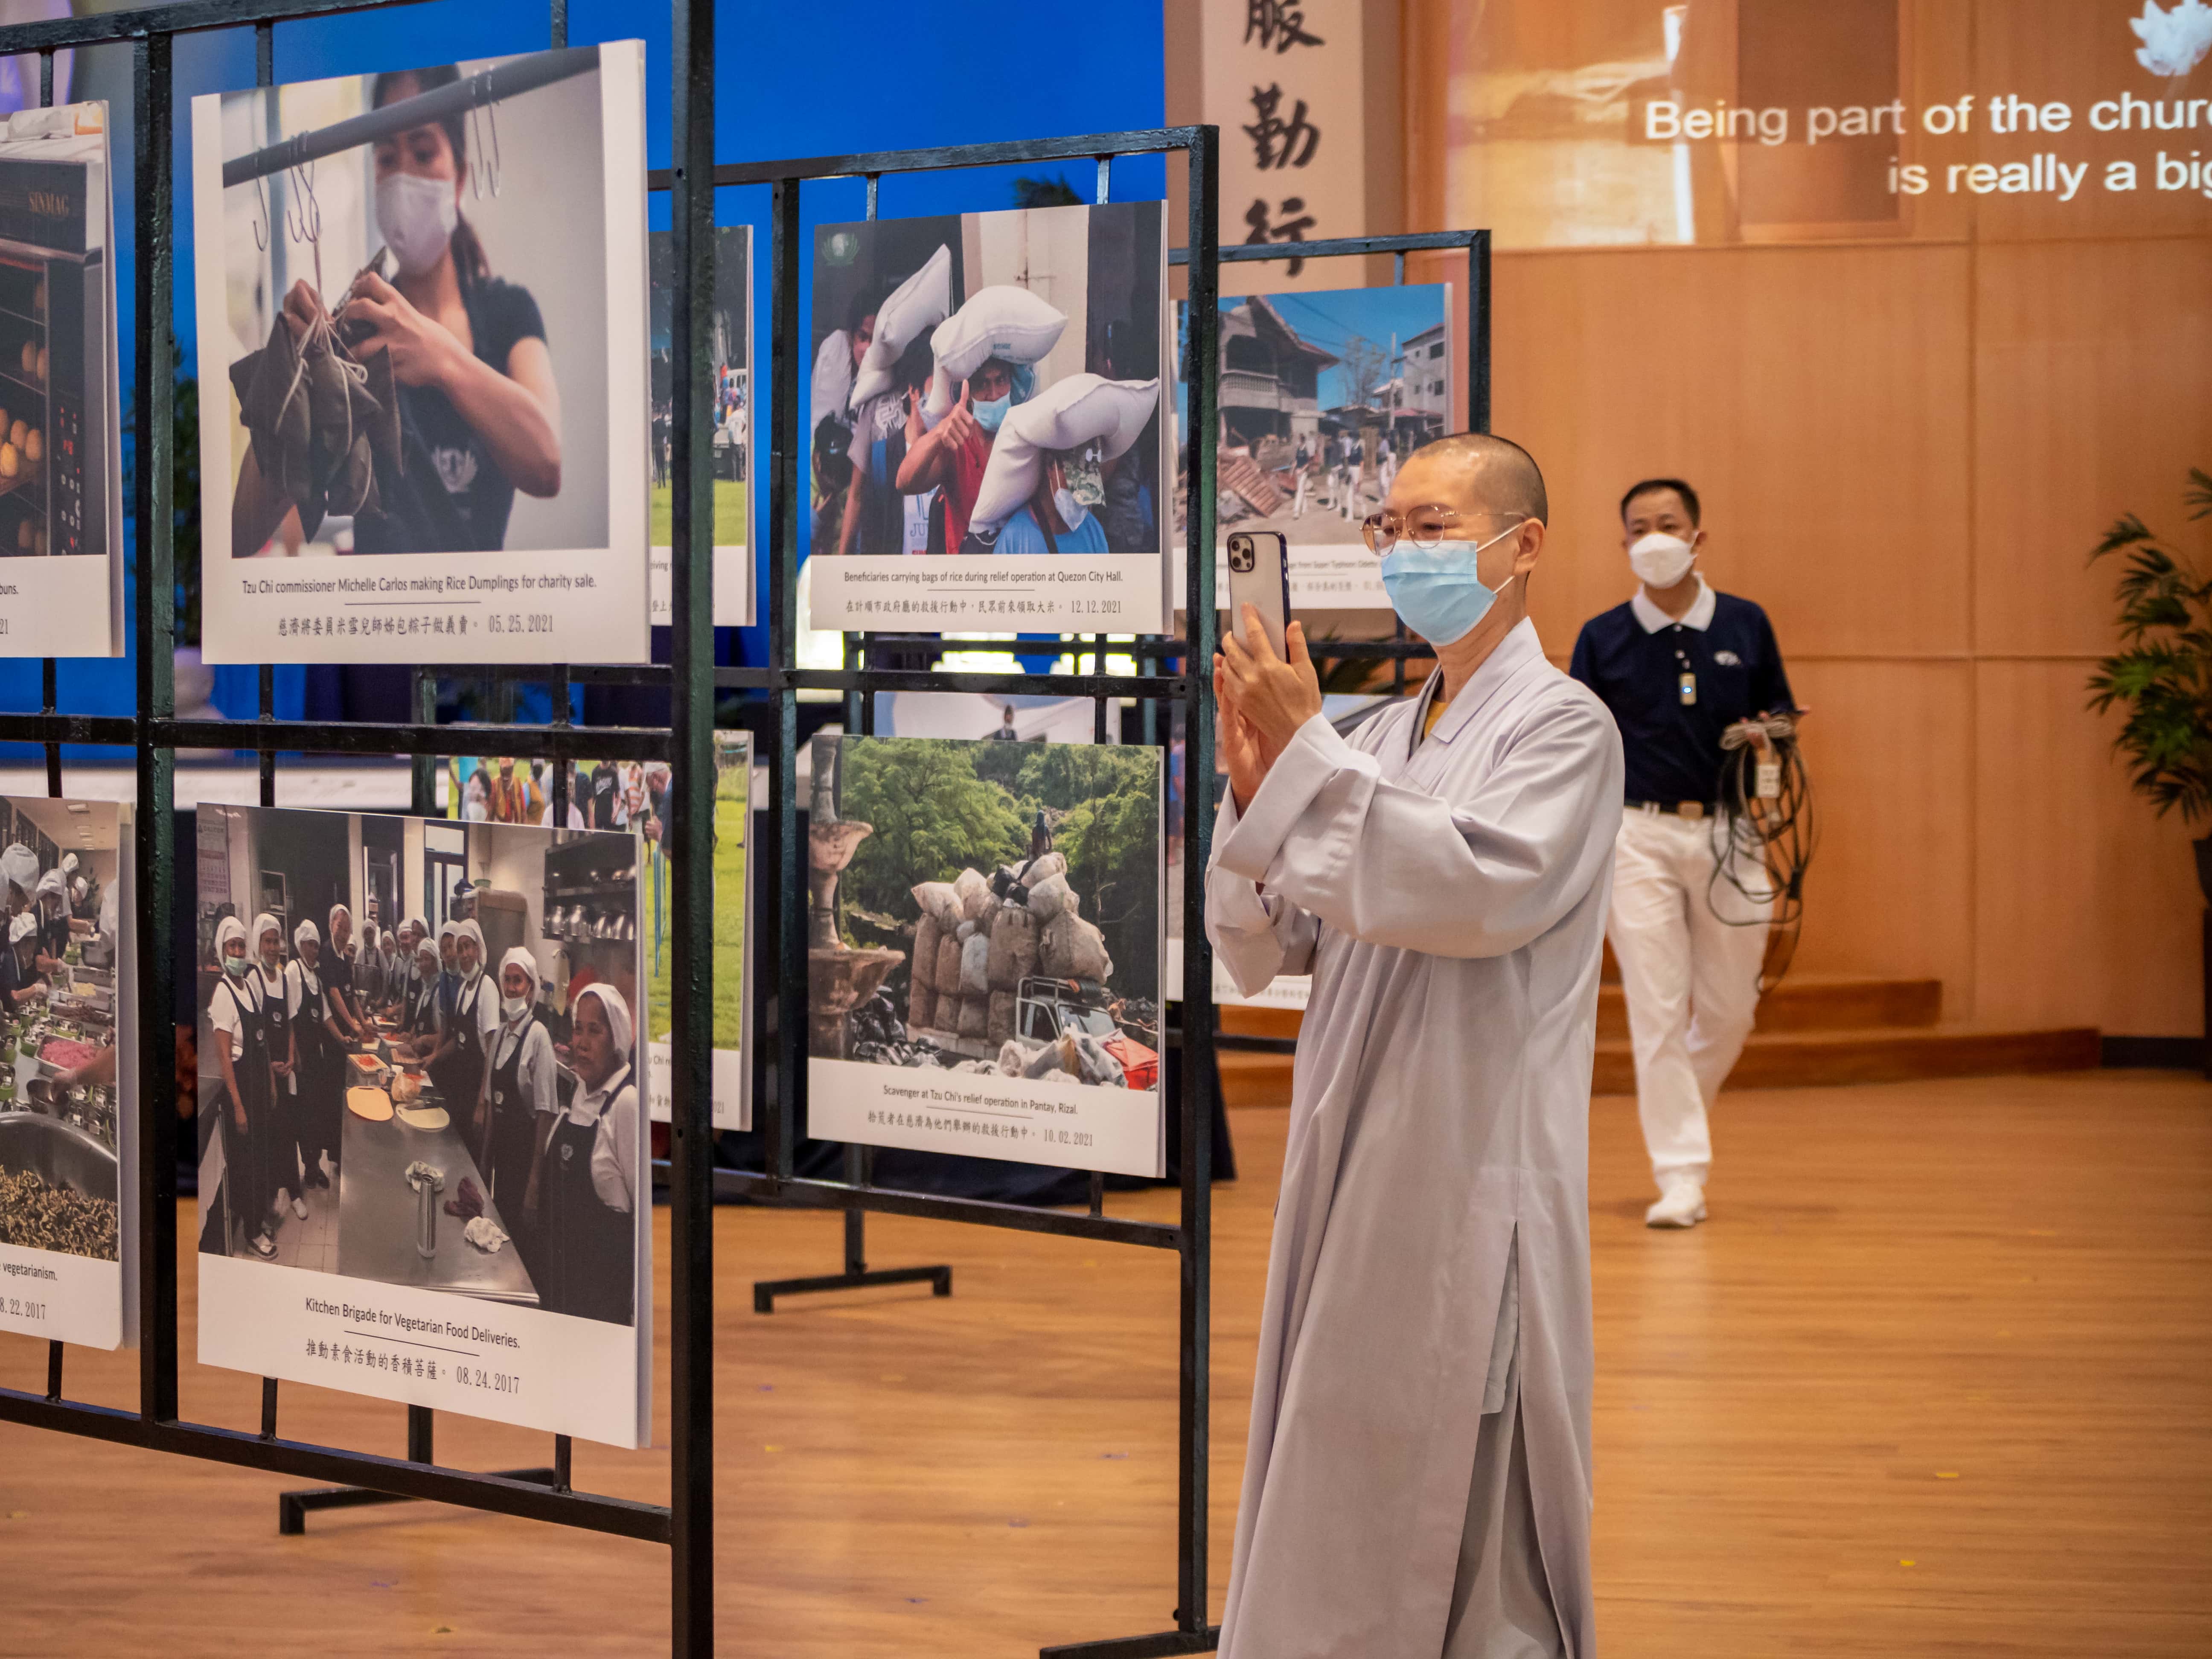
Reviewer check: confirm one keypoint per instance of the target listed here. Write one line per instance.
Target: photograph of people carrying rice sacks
(424, 412)
(983, 949)
(989, 421)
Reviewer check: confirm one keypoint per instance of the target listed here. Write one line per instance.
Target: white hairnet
(420, 927)
(52, 882)
(20, 865)
(69, 864)
(306, 931)
(109, 910)
(23, 927)
(427, 950)
(229, 928)
(338, 910)
(469, 930)
(263, 924)
(519, 957)
(618, 1020)
(446, 929)
(78, 890)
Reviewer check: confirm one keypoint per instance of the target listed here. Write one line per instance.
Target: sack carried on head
(1069, 414)
(915, 305)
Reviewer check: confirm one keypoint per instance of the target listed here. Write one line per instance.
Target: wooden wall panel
(1889, 750)
(2092, 388)
(2087, 907)
(1815, 397)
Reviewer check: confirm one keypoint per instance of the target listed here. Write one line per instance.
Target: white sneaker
(300, 1206)
(1680, 1204)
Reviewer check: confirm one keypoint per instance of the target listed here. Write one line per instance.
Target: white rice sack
(1002, 321)
(916, 305)
(964, 931)
(939, 901)
(1009, 477)
(1043, 869)
(975, 890)
(1049, 897)
(1085, 408)
(975, 967)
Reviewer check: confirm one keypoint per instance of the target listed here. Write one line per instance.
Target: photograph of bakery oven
(423, 1135)
(56, 334)
(61, 1131)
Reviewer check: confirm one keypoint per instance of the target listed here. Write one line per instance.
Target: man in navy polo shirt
(1679, 665)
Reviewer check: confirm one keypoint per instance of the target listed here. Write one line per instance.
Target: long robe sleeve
(1473, 875)
(1255, 937)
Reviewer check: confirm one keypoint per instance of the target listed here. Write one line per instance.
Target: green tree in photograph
(933, 818)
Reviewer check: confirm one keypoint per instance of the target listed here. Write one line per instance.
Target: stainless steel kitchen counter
(377, 1214)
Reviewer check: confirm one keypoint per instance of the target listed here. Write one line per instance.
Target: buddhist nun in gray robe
(1417, 1482)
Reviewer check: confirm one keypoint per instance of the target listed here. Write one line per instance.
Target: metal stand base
(1140, 1647)
(766, 1290)
(292, 1507)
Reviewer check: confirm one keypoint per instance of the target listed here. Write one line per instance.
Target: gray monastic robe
(1451, 905)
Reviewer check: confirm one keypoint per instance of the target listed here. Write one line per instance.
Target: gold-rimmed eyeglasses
(1426, 528)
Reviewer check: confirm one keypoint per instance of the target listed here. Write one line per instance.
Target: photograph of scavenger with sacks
(984, 949)
(426, 291)
(990, 386)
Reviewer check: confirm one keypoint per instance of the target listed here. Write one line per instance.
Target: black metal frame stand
(154, 734)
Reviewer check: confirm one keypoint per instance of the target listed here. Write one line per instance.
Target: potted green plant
(2163, 676)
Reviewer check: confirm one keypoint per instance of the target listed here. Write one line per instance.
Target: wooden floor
(1935, 1380)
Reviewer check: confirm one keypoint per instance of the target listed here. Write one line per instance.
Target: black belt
(1681, 809)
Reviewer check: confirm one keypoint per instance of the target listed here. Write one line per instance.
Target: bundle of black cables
(1763, 843)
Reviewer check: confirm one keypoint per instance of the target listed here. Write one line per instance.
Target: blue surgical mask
(1437, 591)
(989, 415)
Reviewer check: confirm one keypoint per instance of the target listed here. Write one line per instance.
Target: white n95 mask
(1659, 560)
(417, 216)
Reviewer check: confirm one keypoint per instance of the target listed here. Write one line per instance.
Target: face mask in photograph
(416, 216)
(1437, 591)
(1659, 560)
(1072, 512)
(992, 415)
(512, 1007)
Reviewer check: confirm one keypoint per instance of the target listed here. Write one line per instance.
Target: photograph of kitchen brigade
(465, 1117)
(1323, 395)
(65, 1098)
(990, 383)
(986, 908)
(608, 794)
(729, 335)
(60, 482)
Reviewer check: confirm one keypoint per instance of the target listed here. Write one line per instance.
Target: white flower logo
(2175, 42)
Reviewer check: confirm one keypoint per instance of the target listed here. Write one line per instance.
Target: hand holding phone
(1259, 575)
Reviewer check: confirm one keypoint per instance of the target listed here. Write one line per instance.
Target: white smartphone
(1260, 576)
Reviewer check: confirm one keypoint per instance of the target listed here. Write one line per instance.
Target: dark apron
(249, 1157)
(588, 1245)
(420, 1015)
(284, 1101)
(510, 1148)
(320, 1079)
(459, 1075)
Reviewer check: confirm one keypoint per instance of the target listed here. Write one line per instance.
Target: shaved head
(1496, 471)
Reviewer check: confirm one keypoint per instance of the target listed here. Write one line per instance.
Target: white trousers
(1690, 976)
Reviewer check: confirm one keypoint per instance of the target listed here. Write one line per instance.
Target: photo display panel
(988, 421)
(424, 420)
(60, 474)
(632, 795)
(729, 336)
(69, 1074)
(1323, 396)
(984, 948)
(416, 1184)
